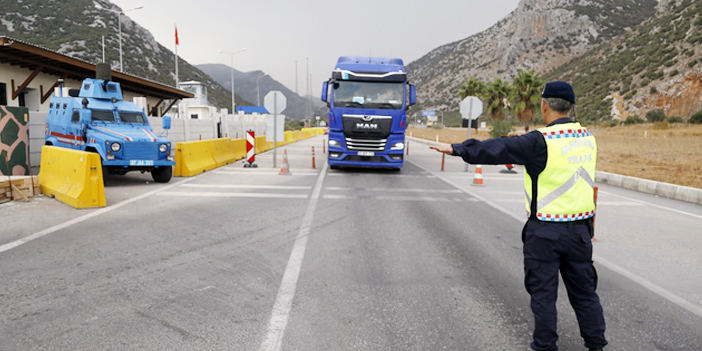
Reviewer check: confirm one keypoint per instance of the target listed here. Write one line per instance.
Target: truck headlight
(397, 146)
(163, 148)
(334, 143)
(115, 147)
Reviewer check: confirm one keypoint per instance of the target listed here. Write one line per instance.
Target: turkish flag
(176, 31)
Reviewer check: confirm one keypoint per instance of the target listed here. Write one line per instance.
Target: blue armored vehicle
(367, 98)
(95, 118)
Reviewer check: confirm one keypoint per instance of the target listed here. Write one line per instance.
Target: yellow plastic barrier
(270, 144)
(261, 144)
(298, 135)
(289, 138)
(193, 157)
(220, 151)
(72, 177)
(238, 148)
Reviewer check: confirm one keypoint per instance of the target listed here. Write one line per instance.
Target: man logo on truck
(366, 126)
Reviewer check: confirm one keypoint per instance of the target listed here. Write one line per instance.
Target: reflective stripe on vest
(565, 187)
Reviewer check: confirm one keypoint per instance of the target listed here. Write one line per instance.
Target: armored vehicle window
(99, 115)
(131, 117)
(75, 117)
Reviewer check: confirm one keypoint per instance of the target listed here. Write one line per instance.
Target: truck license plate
(366, 153)
(141, 163)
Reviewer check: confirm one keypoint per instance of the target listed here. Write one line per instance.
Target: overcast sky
(276, 33)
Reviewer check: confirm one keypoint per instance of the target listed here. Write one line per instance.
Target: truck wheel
(162, 174)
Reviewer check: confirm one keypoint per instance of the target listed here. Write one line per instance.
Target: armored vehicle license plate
(366, 153)
(141, 163)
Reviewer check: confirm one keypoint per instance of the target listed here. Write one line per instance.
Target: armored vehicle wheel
(162, 174)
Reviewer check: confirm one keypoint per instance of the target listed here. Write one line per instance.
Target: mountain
(656, 66)
(552, 37)
(248, 85)
(76, 28)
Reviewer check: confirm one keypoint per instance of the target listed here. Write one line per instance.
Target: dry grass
(667, 153)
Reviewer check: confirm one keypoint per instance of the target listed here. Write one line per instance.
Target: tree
(495, 95)
(472, 87)
(526, 96)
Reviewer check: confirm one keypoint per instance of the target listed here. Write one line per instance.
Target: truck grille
(355, 144)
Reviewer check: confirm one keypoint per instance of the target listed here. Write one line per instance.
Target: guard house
(29, 74)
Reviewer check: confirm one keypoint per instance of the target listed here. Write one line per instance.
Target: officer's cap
(561, 90)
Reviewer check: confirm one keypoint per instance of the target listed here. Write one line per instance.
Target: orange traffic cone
(478, 178)
(285, 170)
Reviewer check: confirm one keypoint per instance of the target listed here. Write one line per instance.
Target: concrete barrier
(193, 157)
(72, 177)
(221, 153)
(238, 148)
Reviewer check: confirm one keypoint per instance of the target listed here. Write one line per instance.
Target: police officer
(560, 170)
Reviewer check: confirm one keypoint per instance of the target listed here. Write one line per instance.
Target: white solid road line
(250, 186)
(213, 194)
(658, 290)
(286, 293)
(99, 212)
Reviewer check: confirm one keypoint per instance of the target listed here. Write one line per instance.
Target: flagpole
(176, 58)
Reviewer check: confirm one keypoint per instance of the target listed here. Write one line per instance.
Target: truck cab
(95, 118)
(367, 98)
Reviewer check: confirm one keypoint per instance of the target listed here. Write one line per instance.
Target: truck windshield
(368, 94)
(131, 117)
(101, 115)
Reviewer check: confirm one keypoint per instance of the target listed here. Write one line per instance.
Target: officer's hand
(447, 149)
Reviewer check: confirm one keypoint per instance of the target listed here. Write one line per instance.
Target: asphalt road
(247, 259)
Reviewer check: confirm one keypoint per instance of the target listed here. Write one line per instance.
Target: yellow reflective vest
(565, 187)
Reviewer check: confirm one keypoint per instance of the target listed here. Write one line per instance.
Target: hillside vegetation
(655, 66)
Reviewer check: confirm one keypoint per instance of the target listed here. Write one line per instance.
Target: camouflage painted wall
(14, 140)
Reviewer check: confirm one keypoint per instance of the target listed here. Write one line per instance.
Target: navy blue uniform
(549, 247)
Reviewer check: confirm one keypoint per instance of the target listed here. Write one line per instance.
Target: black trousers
(550, 248)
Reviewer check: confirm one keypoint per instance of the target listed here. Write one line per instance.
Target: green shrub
(609, 124)
(696, 118)
(500, 128)
(633, 119)
(653, 90)
(692, 63)
(674, 119)
(673, 73)
(655, 116)
(644, 82)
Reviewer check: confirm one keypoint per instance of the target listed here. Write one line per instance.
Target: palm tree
(472, 87)
(526, 96)
(495, 95)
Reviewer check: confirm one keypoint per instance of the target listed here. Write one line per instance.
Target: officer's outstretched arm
(447, 149)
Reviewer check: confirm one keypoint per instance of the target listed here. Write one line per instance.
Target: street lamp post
(119, 28)
(258, 89)
(231, 55)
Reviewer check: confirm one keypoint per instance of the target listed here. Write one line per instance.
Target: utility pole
(296, 92)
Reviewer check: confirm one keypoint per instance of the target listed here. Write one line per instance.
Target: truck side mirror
(325, 90)
(85, 116)
(166, 122)
(412, 95)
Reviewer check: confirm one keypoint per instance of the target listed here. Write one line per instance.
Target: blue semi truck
(367, 99)
(95, 118)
